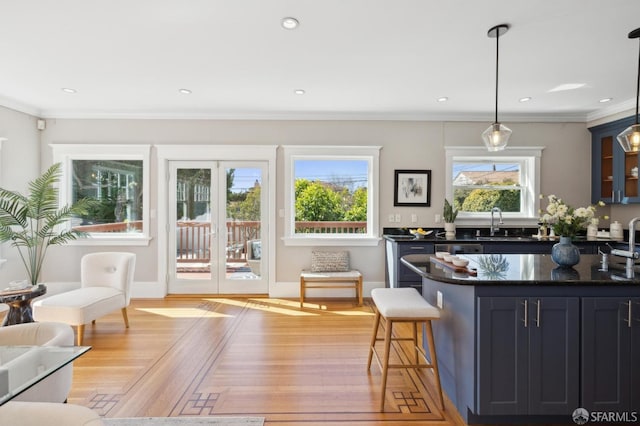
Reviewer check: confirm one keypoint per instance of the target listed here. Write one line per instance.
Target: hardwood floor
(247, 356)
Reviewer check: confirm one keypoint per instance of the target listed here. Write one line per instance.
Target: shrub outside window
(330, 197)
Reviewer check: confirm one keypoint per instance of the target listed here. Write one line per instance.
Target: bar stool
(396, 305)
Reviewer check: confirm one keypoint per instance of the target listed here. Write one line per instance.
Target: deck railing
(193, 238)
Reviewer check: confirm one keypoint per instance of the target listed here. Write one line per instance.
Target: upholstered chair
(56, 387)
(105, 279)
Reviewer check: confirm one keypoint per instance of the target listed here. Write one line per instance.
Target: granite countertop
(524, 269)
(488, 239)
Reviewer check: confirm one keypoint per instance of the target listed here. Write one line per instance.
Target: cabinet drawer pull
(538, 313)
(417, 248)
(526, 313)
(628, 319)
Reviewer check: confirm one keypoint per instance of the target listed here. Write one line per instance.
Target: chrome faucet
(493, 228)
(630, 254)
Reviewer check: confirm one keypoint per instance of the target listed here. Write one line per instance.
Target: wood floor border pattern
(207, 368)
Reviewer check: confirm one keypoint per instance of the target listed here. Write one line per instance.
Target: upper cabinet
(614, 176)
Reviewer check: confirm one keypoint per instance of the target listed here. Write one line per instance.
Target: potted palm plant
(34, 222)
(449, 215)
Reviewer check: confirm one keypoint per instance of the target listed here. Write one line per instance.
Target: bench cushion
(403, 303)
(80, 306)
(328, 276)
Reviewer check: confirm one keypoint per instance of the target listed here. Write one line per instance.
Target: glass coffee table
(23, 366)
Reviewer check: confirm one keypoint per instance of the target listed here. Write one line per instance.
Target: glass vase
(564, 253)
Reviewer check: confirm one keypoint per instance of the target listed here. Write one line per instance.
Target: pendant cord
(498, 53)
(638, 86)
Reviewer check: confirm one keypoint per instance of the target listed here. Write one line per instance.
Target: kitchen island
(521, 340)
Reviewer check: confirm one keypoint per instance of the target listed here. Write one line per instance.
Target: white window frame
(529, 160)
(371, 154)
(66, 153)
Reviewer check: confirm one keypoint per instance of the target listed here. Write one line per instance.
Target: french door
(217, 240)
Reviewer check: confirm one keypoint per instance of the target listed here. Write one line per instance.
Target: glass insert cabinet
(614, 172)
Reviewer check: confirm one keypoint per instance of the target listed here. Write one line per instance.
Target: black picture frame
(412, 188)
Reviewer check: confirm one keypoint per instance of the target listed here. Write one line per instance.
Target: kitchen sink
(505, 238)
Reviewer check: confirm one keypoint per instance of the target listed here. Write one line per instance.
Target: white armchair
(106, 279)
(56, 387)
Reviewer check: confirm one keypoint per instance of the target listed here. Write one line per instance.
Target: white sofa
(47, 413)
(56, 387)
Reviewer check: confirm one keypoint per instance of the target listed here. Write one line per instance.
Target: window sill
(112, 240)
(331, 241)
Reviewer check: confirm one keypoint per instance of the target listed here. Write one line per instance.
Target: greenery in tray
(32, 223)
(449, 213)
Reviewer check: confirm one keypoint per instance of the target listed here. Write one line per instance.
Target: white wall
(566, 169)
(20, 162)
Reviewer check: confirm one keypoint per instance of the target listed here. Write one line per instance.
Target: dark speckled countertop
(524, 269)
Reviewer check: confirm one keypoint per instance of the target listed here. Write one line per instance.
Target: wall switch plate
(398, 217)
(391, 218)
(438, 218)
(439, 301)
(414, 218)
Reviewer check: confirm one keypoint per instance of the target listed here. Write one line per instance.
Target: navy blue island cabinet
(530, 342)
(527, 355)
(611, 353)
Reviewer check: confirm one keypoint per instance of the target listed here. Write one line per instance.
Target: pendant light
(497, 135)
(630, 138)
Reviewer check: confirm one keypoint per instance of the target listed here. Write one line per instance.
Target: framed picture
(412, 188)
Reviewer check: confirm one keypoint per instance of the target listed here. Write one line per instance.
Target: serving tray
(454, 268)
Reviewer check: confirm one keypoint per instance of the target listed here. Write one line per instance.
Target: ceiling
(355, 59)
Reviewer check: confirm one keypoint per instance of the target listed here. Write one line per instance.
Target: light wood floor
(247, 356)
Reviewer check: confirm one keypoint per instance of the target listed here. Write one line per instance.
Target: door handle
(526, 313)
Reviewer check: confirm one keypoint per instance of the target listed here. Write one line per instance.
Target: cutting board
(454, 268)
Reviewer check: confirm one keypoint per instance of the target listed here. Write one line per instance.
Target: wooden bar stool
(397, 305)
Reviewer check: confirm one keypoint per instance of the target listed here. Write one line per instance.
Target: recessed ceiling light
(289, 23)
(68, 90)
(443, 99)
(185, 91)
(525, 99)
(605, 100)
(299, 92)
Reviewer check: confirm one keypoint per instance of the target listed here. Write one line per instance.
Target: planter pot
(450, 231)
(564, 253)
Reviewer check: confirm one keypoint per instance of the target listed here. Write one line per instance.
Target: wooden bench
(331, 280)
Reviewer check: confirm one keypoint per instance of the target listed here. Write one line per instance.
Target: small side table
(20, 304)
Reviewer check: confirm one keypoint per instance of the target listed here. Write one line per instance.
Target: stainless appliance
(459, 248)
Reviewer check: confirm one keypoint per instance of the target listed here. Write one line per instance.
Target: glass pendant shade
(496, 137)
(630, 139)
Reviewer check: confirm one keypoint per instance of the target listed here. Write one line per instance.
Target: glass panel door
(216, 211)
(245, 245)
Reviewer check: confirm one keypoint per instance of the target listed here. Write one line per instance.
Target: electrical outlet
(438, 218)
(392, 218)
(414, 218)
(439, 302)
(398, 217)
